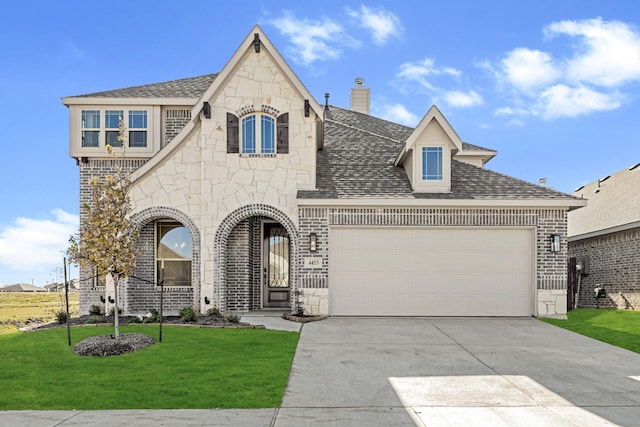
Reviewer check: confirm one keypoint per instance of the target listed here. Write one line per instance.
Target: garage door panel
(432, 272)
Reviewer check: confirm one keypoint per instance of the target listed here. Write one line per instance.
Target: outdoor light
(313, 242)
(555, 243)
(207, 301)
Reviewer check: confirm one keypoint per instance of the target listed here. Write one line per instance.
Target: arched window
(258, 134)
(173, 254)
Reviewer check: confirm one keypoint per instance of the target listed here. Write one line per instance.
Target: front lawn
(617, 327)
(191, 368)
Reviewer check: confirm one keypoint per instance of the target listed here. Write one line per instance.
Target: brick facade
(613, 261)
(173, 122)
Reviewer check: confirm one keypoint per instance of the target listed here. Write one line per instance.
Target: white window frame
(77, 129)
(259, 138)
(425, 173)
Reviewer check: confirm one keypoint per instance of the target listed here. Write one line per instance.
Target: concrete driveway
(421, 372)
(457, 372)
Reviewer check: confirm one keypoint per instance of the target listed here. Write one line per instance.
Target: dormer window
(432, 163)
(258, 134)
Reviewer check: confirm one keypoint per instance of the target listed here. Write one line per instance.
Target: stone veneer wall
(551, 267)
(614, 262)
(136, 295)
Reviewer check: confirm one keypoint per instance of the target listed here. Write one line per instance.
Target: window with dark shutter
(283, 133)
(233, 134)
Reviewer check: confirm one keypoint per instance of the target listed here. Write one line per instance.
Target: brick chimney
(360, 97)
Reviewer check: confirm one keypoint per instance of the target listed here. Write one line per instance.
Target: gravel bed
(108, 345)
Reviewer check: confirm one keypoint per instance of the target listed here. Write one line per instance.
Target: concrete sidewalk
(422, 372)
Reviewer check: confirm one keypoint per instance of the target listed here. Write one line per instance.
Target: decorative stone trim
(247, 109)
(270, 110)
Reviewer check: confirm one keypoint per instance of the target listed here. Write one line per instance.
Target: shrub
(153, 316)
(233, 317)
(135, 320)
(93, 320)
(112, 312)
(61, 316)
(187, 314)
(95, 309)
(213, 312)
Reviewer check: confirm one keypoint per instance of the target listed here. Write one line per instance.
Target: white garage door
(431, 272)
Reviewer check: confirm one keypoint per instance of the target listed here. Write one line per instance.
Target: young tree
(107, 238)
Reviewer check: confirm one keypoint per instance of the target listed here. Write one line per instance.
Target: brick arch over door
(148, 215)
(222, 238)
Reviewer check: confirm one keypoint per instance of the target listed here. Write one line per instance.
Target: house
(604, 240)
(249, 194)
(21, 287)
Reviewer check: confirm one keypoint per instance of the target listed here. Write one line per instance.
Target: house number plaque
(313, 262)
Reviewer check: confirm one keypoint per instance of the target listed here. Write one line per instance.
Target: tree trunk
(116, 313)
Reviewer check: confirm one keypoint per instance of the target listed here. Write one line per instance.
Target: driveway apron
(457, 372)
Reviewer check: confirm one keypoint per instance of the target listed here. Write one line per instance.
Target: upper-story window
(133, 120)
(258, 134)
(432, 163)
(90, 128)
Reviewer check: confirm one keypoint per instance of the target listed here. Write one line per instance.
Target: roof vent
(360, 97)
(543, 182)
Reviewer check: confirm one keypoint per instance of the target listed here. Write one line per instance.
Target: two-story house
(249, 194)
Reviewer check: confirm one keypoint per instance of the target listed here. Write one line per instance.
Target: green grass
(191, 368)
(617, 327)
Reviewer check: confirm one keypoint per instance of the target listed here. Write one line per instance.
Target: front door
(275, 266)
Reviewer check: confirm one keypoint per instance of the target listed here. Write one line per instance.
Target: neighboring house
(604, 238)
(59, 287)
(21, 287)
(250, 195)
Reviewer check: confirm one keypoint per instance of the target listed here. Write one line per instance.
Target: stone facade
(613, 262)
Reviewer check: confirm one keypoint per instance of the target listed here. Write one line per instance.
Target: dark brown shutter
(233, 134)
(283, 134)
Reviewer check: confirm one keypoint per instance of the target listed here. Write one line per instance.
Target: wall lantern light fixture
(555, 243)
(313, 242)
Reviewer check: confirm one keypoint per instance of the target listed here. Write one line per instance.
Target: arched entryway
(255, 260)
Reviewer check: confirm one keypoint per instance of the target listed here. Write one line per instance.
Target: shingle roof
(612, 202)
(358, 161)
(192, 87)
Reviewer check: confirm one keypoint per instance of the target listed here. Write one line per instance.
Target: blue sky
(553, 86)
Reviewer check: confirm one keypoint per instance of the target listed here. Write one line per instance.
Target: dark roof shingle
(357, 161)
(191, 87)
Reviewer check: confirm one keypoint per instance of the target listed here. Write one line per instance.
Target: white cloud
(382, 23)
(564, 101)
(608, 54)
(35, 244)
(399, 114)
(528, 69)
(313, 40)
(441, 83)
(463, 99)
(602, 57)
